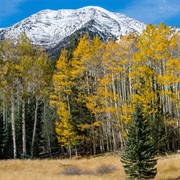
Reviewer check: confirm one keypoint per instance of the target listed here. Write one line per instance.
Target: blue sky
(147, 11)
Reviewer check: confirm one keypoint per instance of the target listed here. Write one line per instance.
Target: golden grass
(168, 168)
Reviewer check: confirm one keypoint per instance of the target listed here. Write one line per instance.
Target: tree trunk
(34, 128)
(121, 140)
(114, 140)
(94, 141)
(101, 140)
(69, 148)
(13, 128)
(107, 140)
(23, 128)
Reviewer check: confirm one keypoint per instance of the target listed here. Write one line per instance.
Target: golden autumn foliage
(111, 77)
(64, 129)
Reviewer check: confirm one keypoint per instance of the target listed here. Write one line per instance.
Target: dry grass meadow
(91, 168)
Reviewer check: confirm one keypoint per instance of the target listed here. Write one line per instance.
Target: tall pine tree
(138, 159)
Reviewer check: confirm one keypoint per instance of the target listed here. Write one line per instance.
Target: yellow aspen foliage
(149, 64)
(86, 64)
(80, 56)
(59, 98)
(83, 127)
(112, 96)
(62, 81)
(64, 129)
(109, 78)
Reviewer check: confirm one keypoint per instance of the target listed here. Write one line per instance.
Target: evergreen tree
(138, 159)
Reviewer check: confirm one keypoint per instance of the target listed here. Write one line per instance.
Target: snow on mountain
(54, 29)
(175, 29)
(49, 27)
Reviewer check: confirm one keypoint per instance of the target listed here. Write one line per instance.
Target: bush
(105, 169)
(72, 170)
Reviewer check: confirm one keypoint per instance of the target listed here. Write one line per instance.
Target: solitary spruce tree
(138, 159)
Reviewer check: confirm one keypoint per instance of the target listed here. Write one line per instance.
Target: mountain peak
(52, 28)
(95, 8)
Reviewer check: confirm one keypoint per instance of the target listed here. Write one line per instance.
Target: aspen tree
(86, 65)
(116, 65)
(149, 67)
(25, 58)
(64, 129)
(9, 84)
(62, 82)
(39, 82)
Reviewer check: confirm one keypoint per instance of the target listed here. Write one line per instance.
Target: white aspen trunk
(130, 82)
(106, 136)
(119, 91)
(125, 89)
(34, 128)
(121, 140)
(116, 109)
(107, 120)
(114, 139)
(101, 140)
(23, 128)
(114, 95)
(13, 128)
(110, 142)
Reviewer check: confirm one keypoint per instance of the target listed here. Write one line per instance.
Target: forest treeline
(86, 102)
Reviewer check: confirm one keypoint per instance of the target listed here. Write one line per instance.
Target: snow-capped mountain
(175, 29)
(53, 29)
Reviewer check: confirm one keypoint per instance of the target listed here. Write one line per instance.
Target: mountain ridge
(53, 28)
